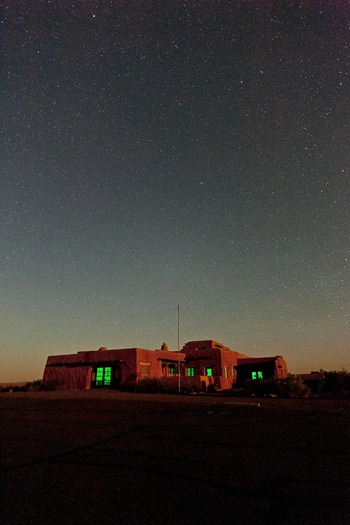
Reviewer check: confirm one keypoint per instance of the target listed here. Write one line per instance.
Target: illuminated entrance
(102, 377)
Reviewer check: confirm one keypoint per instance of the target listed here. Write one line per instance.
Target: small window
(172, 370)
(107, 376)
(145, 369)
(99, 376)
(257, 375)
(209, 372)
(190, 371)
(226, 371)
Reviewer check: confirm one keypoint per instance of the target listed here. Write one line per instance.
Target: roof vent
(102, 349)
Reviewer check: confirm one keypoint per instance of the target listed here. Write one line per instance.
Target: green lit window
(257, 375)
(108, 375)
(99, 376)
(209, 372)
(103, 376)
(260, 375)
(190, 371)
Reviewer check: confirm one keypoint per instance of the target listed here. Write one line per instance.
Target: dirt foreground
(110, 457)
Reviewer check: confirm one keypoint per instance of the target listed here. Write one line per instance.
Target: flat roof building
(201, 364)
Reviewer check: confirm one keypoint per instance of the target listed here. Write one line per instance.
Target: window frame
(145, 369)
(103, 376)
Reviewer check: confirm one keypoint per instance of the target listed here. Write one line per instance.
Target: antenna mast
(178, 347)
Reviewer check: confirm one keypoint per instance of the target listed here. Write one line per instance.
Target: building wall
(68, 377)
(202, 363)
(281, 369)
(260, 368)
(128, 366)
(209, 354)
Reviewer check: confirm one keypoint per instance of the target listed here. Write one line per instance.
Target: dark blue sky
(164, 153)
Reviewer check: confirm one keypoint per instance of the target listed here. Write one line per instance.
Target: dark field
(110, 457)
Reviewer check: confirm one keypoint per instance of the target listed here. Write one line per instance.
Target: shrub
(149, 386)
(336, 384)
(282, 388)
(34, 386)
(260, 388)
(48, 386)
(297, 388)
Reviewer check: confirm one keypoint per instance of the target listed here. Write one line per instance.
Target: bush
(156, 386)
(149, 386)
(297, 388)
(260, 388)
(48, 386)
(281, 388)
(336, 384)
(330, 384)
(34, 386)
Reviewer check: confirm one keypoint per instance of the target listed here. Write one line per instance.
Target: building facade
(260, 368)
(109, 368)
(210, 363)
(201, 364)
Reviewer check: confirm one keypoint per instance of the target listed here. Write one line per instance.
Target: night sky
(157, 153)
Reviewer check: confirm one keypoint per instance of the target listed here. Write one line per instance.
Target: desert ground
(111, 457)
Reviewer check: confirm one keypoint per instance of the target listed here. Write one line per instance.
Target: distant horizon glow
(33, 369)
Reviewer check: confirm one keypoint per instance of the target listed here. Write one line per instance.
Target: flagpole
(178, 347)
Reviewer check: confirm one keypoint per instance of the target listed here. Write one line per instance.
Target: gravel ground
(110, 457)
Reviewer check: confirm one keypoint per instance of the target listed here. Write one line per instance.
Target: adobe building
(202, 364)
(109, 368)
(260, 368)
(211, 363)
